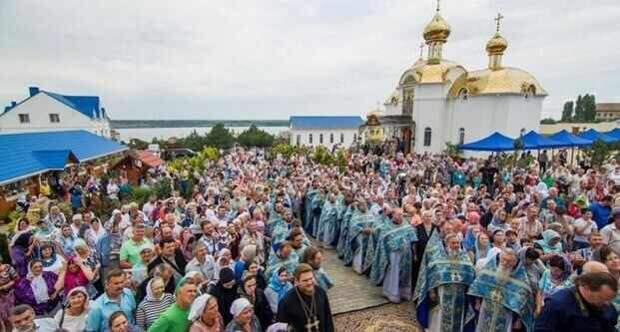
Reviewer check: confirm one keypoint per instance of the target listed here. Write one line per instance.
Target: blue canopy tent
(535, 141)
(569, 140)
(594, 135)
(494, 142)
(615, 134)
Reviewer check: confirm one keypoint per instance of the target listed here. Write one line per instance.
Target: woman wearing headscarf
(52, 262)
(553, 279)
(175, 318)
(499, 221)
(224, 260)
(225, 292)
(257, 298)
(551, 242)
(244, 318)
(279, 285)
(154, 304)
(8, 277)
(21, 251)
(73, 316)
(37, 289)
(205, 316)
(481, 247)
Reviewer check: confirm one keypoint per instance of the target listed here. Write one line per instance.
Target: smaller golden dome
(497, 45)
(437, 30)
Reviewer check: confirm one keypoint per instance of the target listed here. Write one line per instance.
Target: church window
(462, 136)
(298, 140)
(24, 118)
(341, 138)
(427, 136)
(320, 138)
(354, 138)
(531, 91)
(310, 138)
(331, 138)
(463, 94)
(54, 118)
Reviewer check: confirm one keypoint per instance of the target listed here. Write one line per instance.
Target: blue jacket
(600, 214)
(562, 312)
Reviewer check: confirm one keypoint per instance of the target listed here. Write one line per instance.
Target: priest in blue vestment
(328, 222)
(360, 233)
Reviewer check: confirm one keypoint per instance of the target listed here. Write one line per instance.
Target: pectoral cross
(498, 19)
(455, 276)
(496, 296)
(312, 326)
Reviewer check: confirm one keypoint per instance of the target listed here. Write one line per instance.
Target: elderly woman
(75, 274)
(154, 304)
(244, 318)
(37, 289)
(52, 261)
(205, 316)
(257, 298)
(73, 316)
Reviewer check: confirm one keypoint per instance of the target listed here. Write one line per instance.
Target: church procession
(433, 206)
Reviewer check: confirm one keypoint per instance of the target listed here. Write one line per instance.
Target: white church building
(437, 101)
(49, 111)
(328, 131)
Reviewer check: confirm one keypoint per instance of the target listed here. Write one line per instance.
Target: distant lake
(147, 134)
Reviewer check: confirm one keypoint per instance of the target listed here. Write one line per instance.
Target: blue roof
(25, 155)
(535, 141)
(593, 135)
(87, 105)
(569, 140)
(493, 142)
(325, 122)
(614, 133)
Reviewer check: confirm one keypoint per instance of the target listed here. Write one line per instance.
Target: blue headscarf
(280, 288)
(549, 235)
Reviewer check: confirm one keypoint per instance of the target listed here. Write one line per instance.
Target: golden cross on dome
(498, 19)
(438, 5)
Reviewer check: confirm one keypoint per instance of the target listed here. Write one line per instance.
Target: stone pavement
(351, 292)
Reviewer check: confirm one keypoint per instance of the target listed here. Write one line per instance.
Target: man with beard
(504, 298)
(441, 290)
(306, 307)
(359, 235)
(392, 263)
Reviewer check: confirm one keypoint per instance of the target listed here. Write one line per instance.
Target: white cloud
(271, 59)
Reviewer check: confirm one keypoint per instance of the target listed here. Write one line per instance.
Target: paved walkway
(351, 292)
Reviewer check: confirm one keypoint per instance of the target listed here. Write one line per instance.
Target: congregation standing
(474, 245)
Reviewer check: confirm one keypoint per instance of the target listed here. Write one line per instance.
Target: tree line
(581, 110)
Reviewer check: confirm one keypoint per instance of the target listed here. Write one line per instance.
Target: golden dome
(437, 30)
(497, 45)
(502, 81)
(424, 72)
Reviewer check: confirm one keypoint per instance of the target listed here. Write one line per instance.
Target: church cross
(312, 326)
(498, 19)
(438, 5)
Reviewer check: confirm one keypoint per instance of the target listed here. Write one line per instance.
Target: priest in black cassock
(306, 307)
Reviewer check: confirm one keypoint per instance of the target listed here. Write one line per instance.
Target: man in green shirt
(130, 250)
(175, 318)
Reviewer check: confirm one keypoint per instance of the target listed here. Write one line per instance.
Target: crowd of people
(473, 245)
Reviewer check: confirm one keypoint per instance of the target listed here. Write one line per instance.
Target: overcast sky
(269, 59)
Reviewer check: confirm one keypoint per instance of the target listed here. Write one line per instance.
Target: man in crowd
(115, 298)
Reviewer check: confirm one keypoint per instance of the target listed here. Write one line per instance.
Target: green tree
(589, 107)
(220, 137)
(598, 153)
(567, 113)
(548, 121)
(255, 137)
(579, 116)
(193, 141)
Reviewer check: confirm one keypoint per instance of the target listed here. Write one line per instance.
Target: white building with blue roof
(45, 111)
(327, 131)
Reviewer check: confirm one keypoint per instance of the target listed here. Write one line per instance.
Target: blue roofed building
(44, 111)
(30, 154)
(328, 131)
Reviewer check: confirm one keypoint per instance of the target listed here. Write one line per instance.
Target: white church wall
(391, 109)
(429, 109)
(304, 137)
(39, 108)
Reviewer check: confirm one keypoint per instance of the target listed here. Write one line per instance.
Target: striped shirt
(150, 309)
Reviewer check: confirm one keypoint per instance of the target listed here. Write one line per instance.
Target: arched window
(310, 138)
(298, 140)
(341, 138)
(462, 136)
(354, 138)
(463, 94)
(320, 138)
(427, 136)
(531, 91)
(331, 138)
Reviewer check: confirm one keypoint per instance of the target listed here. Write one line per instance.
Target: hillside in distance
(121, 124)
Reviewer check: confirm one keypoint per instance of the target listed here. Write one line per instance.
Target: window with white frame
(427, 136)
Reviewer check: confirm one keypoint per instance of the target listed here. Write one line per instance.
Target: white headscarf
(149, 291)
(238, 305)
(38, 285)
(198, 307)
